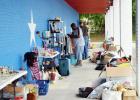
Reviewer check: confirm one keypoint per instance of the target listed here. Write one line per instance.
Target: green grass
(134, 37)
(100, 37)
(97, 37)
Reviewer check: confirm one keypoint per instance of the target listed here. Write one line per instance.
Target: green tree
(96, 22)
(134, 14)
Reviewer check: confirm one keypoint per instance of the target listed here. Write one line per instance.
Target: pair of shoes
(78, 65)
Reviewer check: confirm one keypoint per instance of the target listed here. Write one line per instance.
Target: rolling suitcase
(64, 65)
(72, 58)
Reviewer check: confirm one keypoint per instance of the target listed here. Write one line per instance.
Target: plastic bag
(111, 95)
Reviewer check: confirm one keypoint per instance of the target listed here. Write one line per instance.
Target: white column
(105, 25)
(111, 22)
(138, 47)
(116, 8)
(126, 26)
(109, 25)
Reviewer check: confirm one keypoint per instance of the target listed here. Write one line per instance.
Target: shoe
(77, 63)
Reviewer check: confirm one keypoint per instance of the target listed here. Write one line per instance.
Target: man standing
(78, 42)
(85, 31)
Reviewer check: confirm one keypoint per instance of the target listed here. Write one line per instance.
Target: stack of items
(119, 91)
(5, 71)
(119, 68)
(8, 92)
(114, 90)
(23, 92)
(47, 52)
(101, 58)
(108, 43)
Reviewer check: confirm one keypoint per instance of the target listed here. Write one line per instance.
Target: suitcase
(72, 58)
(64, 65)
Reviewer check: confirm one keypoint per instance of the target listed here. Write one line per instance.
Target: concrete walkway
(67, 88)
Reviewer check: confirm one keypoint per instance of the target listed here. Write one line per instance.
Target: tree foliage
(134, 15)
(96, 22)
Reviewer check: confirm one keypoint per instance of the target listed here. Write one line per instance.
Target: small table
(8, 79)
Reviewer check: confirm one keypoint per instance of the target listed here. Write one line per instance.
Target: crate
(43, 86)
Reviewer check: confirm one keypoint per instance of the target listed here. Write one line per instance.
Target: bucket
(43, 86)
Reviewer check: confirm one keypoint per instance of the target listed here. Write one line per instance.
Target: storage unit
(56, 29)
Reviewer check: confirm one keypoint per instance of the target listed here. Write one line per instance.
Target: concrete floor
(67, 88)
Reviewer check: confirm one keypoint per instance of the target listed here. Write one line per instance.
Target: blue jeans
(85, 53)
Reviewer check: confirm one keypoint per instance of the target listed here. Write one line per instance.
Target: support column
(106, 25)
(111, 22)
(138, 47)
(109, 25)
(126, 26)
(116, 8)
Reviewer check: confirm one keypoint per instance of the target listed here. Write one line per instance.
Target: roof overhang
(90, 6)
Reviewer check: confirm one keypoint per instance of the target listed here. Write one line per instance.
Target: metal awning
(89, 6)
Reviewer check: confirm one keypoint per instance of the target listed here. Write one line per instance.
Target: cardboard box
(112, 48)
(10, 89)
(106, 59)
(129, 95)
(94, 56)
(118, 71)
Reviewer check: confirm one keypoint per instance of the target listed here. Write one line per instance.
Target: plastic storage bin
(43, 86)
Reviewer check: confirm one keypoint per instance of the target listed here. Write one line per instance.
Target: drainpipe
(138, 47)
(120, 26)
